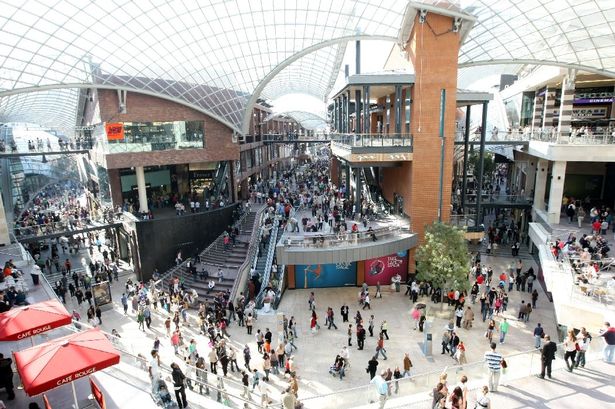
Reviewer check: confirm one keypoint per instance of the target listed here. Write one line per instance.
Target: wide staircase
(216, 256)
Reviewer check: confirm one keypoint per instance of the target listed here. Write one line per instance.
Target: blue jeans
(381, 351)
(608, 353)
(502, 336)
(537, 341)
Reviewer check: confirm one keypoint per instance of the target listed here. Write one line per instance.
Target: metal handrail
(252, 247)
(273, 239)
(372, 140)
(308, 239)
(546, 135)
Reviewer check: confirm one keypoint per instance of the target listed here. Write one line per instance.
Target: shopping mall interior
(427, 187)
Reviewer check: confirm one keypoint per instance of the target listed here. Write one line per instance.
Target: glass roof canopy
(220, 56)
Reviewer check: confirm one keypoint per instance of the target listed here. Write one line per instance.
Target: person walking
(6, 376)
(490, 329)
(482, 399)
(179, 380)
(384, 329)
(372, 366)
(608, 333)
(382, 388)
(249, 323)
(494, 360)
(366, 302)
(344, 312)
(407, 365)
(350, 335)
(504, 325)
(247, 357)
(380, 348)
(330, 316)
(370, 325)
(570, 346)
(583, 340)
(539, 333)
(245, 381)
(547, 355)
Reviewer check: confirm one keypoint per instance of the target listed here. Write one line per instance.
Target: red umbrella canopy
(64, 360)
(24, 322)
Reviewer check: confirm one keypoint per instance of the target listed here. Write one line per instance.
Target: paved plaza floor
(316, 352)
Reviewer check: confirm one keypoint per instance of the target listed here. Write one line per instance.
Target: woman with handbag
(178, 384)
(570, 346)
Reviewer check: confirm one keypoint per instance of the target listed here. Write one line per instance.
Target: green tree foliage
(474, 163)
(443, 258)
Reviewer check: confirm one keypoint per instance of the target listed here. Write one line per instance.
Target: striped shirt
(493, 360)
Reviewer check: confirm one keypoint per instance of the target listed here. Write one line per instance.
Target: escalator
(220, 184)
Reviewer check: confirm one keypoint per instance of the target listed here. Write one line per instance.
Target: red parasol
(24, 322)
(64, 360)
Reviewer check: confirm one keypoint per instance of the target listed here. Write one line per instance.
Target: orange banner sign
(115, 132)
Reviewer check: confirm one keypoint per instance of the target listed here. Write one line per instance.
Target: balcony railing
(319, 240)
(545, 135)
(372, 140)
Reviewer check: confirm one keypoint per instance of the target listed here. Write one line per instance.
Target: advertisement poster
(325, 275)
(383, 268)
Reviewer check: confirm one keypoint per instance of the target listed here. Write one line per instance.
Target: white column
(141, 188)
(4, 227)
(541, 184)
(556, 193)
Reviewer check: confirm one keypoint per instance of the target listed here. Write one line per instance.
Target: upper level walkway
(383, 236)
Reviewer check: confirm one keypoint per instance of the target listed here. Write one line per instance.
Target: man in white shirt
(154, 370)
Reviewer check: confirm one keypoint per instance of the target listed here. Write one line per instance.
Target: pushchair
(162, 397)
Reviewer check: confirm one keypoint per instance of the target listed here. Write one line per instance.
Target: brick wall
(434, 58)
(146, 108)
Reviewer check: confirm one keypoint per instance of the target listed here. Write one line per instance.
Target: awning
(64, 360)
(24, 322)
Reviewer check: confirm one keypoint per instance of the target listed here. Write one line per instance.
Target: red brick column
(433, 50)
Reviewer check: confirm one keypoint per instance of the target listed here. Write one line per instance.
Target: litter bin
(428, 339)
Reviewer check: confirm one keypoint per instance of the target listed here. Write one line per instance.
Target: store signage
(115, 131)
(593, 96)
(201, 174)
(589, 113)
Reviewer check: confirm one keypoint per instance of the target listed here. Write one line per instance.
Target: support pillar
(539, 105)
(339, 114)
(547, 118)
(357, 193)
(466, 140)
(335, 115)
(348, 170)
(347, 116)
(357, 111)
(564, 127)
(4, 227)
(556, 191)
(479, 190)
(344, 114)
(397, 104)
(366, 113)
(141, 188)
(541, 184)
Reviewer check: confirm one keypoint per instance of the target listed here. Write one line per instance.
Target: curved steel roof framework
(219, 56)
(307, 120)
(210, 54)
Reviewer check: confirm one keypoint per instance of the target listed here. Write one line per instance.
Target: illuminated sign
(115, 132)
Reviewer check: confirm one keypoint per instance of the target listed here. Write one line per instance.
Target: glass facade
(159, 136)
